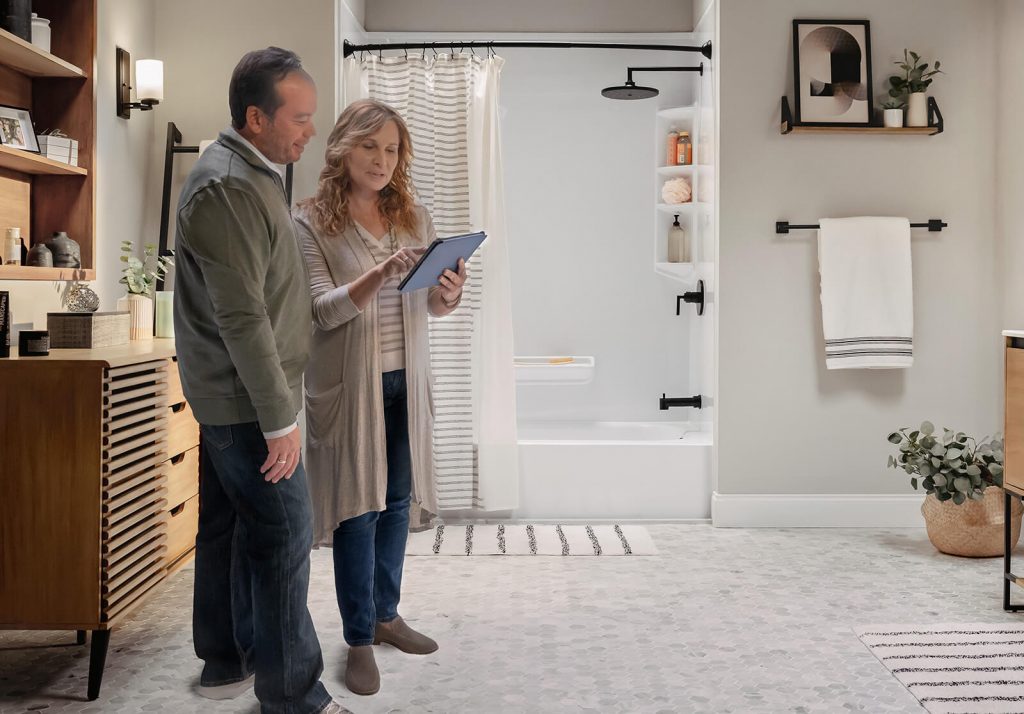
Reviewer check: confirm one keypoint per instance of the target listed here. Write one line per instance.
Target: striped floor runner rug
(955, 669)
(503, 539)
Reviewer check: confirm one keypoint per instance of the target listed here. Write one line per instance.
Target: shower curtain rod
(349, 48)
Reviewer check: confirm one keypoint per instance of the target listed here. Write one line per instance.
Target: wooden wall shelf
(935, 125)
(39, 195)
(27, 59)
(28, 272)
(29, 163)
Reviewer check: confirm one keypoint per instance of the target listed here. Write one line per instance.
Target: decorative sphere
(81, 298)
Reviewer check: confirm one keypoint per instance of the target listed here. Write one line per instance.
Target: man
(242, 324)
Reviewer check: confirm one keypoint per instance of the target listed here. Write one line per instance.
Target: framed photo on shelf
(832, 72)
(16, 129)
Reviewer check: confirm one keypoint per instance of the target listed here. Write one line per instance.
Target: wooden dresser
(99, 484)
(1013, 449)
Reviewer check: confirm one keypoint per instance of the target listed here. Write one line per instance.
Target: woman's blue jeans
(369, 550)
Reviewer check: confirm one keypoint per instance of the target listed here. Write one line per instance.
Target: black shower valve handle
(695, 297)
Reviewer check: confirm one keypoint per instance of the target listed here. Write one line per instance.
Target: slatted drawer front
(183, 477)
(134, 483)
(175, 394)
(183, 429)
(184, 522)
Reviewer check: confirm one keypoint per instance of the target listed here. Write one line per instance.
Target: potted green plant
(892, 113)
(913, 85)
(963, 510)
(140, 277)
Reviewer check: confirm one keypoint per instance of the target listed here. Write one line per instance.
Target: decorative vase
(66, 252)
(974, 529)
(892, 118)
(917, 109)
(16, 18)
(140, 309)
(39, 256)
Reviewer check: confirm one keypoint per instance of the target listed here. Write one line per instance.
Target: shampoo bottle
(678, 246)
(671, 150)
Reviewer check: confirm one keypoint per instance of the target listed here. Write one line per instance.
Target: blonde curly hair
(328, 209)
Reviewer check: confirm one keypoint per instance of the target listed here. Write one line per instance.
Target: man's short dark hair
(254, 79)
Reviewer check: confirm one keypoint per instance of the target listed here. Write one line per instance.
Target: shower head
(629, 90)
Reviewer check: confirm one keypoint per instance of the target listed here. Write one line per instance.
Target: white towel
(867, 306)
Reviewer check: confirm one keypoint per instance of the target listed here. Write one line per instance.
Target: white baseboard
(797, 510)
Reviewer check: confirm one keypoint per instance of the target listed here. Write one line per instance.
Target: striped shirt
(390, 318)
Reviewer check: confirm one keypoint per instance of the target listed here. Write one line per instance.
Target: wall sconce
(149, 78)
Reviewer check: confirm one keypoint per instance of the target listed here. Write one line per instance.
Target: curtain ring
(472, 49)
(380, 53)
(406, 53)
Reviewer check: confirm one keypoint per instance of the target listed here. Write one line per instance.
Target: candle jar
(165, 313)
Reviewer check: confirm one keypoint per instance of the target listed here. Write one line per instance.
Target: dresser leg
(81, 637)
(97, 660)
(1008, 576)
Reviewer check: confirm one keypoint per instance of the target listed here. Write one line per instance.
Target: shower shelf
(680, 271)
(554, 370)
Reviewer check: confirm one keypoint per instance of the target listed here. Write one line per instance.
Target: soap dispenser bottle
(678, 246)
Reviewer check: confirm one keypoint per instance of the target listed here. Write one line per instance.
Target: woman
(369, 412)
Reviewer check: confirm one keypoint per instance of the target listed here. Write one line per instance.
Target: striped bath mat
(955, 668)
(503, 539)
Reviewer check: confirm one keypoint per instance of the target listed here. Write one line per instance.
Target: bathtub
(613, 470)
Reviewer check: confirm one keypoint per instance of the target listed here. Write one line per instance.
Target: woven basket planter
(973, 529)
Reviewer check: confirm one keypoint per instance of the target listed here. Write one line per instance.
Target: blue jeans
(252, 575)
(369, 550)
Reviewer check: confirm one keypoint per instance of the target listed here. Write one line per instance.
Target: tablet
(441, 254)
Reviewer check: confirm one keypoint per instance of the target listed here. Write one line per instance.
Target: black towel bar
(933, 225)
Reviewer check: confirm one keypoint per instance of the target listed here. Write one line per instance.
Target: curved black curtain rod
(349, 48)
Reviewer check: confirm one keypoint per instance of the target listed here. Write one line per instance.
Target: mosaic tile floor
(719, 621)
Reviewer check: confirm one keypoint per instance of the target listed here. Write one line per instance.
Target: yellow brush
(560, 360)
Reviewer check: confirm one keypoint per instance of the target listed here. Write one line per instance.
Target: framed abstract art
(832, 72)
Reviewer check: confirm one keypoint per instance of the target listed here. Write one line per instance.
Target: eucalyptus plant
(916, 76)
(954, 466)
(140, 276)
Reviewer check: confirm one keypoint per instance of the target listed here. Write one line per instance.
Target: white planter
(917, 109)
(892, 118)
(140, 309)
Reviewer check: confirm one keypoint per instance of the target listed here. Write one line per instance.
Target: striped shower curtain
(450, 103)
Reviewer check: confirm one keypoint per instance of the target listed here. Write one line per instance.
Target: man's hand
(284, 454)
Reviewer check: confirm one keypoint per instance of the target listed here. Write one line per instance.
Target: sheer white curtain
(450, 103)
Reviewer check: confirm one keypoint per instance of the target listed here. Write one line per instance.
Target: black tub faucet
(665, 402)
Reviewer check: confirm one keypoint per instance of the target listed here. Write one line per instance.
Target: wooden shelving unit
(37, 194)
(935, 125)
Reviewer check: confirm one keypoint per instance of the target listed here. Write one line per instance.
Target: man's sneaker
(335, 708)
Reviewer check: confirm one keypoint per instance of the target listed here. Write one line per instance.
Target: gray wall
(529, 16)
(1009, 169)
(786, 425)
(123, 194)
(199, 57)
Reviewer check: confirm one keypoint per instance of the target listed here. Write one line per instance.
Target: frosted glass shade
(149, 80)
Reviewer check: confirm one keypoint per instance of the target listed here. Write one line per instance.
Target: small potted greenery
(963, 478)
(140, 277)
(913, 85)
(892, 113)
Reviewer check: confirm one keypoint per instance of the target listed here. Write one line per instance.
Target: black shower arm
(699, 69)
